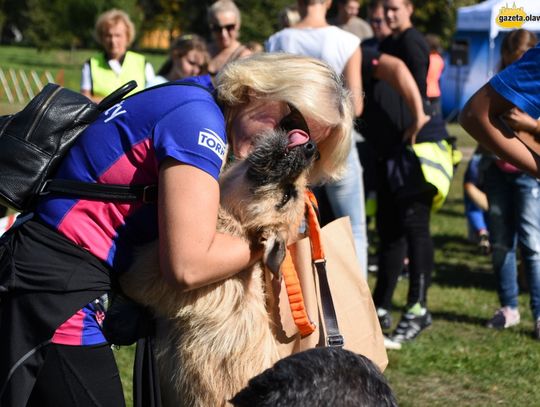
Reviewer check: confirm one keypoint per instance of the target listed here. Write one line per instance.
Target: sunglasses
(220, 28)
(376, 21)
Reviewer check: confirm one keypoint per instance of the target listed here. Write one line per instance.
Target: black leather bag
(126, 321)
(34, 140)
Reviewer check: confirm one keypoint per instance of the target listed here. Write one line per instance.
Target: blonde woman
(249, 87)
(73, 247)
(109, 70)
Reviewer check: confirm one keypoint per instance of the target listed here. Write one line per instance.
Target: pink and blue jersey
(126, 146)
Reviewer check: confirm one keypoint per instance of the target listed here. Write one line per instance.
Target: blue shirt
(519, 83)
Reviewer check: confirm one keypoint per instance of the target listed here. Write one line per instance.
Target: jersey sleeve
(519, 83)
(193, 134)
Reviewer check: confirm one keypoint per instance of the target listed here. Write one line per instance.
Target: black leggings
(78, 376)
(403, 228)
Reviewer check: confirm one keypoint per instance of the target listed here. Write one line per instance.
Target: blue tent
(477, 41)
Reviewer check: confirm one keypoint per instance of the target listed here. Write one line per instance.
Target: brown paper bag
(356, 314)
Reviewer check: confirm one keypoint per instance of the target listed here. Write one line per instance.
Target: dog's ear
(274, 254)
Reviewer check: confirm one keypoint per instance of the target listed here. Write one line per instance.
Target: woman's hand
(518, 120)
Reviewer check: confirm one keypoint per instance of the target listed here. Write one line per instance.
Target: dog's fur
(219, 336)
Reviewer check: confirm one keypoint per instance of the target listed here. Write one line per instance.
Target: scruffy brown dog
(218, 337)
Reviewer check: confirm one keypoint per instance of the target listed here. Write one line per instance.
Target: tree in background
(70, 23)
(61, 23)
(439, 16)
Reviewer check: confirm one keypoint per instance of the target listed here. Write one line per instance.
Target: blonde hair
(308, 84)
(222, 6)
(113, 17)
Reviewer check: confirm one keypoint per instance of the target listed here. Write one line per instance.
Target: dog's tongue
(297, 137)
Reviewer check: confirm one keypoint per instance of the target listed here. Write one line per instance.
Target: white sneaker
(504, 317)
(390, 344)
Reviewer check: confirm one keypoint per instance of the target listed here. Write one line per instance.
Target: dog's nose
(310, 149)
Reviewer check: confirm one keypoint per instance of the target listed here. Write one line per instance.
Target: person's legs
(78, 376)
(416, 218)
(420, 244)
(503, 236)
(502, 224)
(392, 245)
(528, 214)
(346, 198)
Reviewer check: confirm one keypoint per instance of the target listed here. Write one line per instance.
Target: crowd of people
(372, 105)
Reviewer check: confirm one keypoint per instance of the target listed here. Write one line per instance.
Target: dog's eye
(288, 193)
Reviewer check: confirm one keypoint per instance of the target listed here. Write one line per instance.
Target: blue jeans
(346, 198)
(514, 218)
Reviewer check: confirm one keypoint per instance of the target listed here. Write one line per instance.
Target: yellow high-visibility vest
(105, 80)
(437, 160)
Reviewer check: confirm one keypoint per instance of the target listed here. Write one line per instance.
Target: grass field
(455, 362)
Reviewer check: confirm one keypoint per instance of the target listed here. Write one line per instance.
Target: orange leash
(314, 230)
(296, 299)
(290, 276)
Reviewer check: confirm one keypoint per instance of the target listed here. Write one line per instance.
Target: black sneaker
(410, 326)
(385, 319)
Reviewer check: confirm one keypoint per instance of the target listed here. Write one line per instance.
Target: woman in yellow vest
(104, 73)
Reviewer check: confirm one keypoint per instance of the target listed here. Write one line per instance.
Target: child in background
(188, 56)
(476, 203)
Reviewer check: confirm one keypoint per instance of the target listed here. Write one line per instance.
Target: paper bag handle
(333, 336)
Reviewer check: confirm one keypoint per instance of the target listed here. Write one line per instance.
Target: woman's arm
(481, 118)
(394, 71)
(192, 253)
(353, 80)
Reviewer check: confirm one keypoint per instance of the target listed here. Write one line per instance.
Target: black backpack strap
(111, 192)
(116, 96)
(106, 192)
